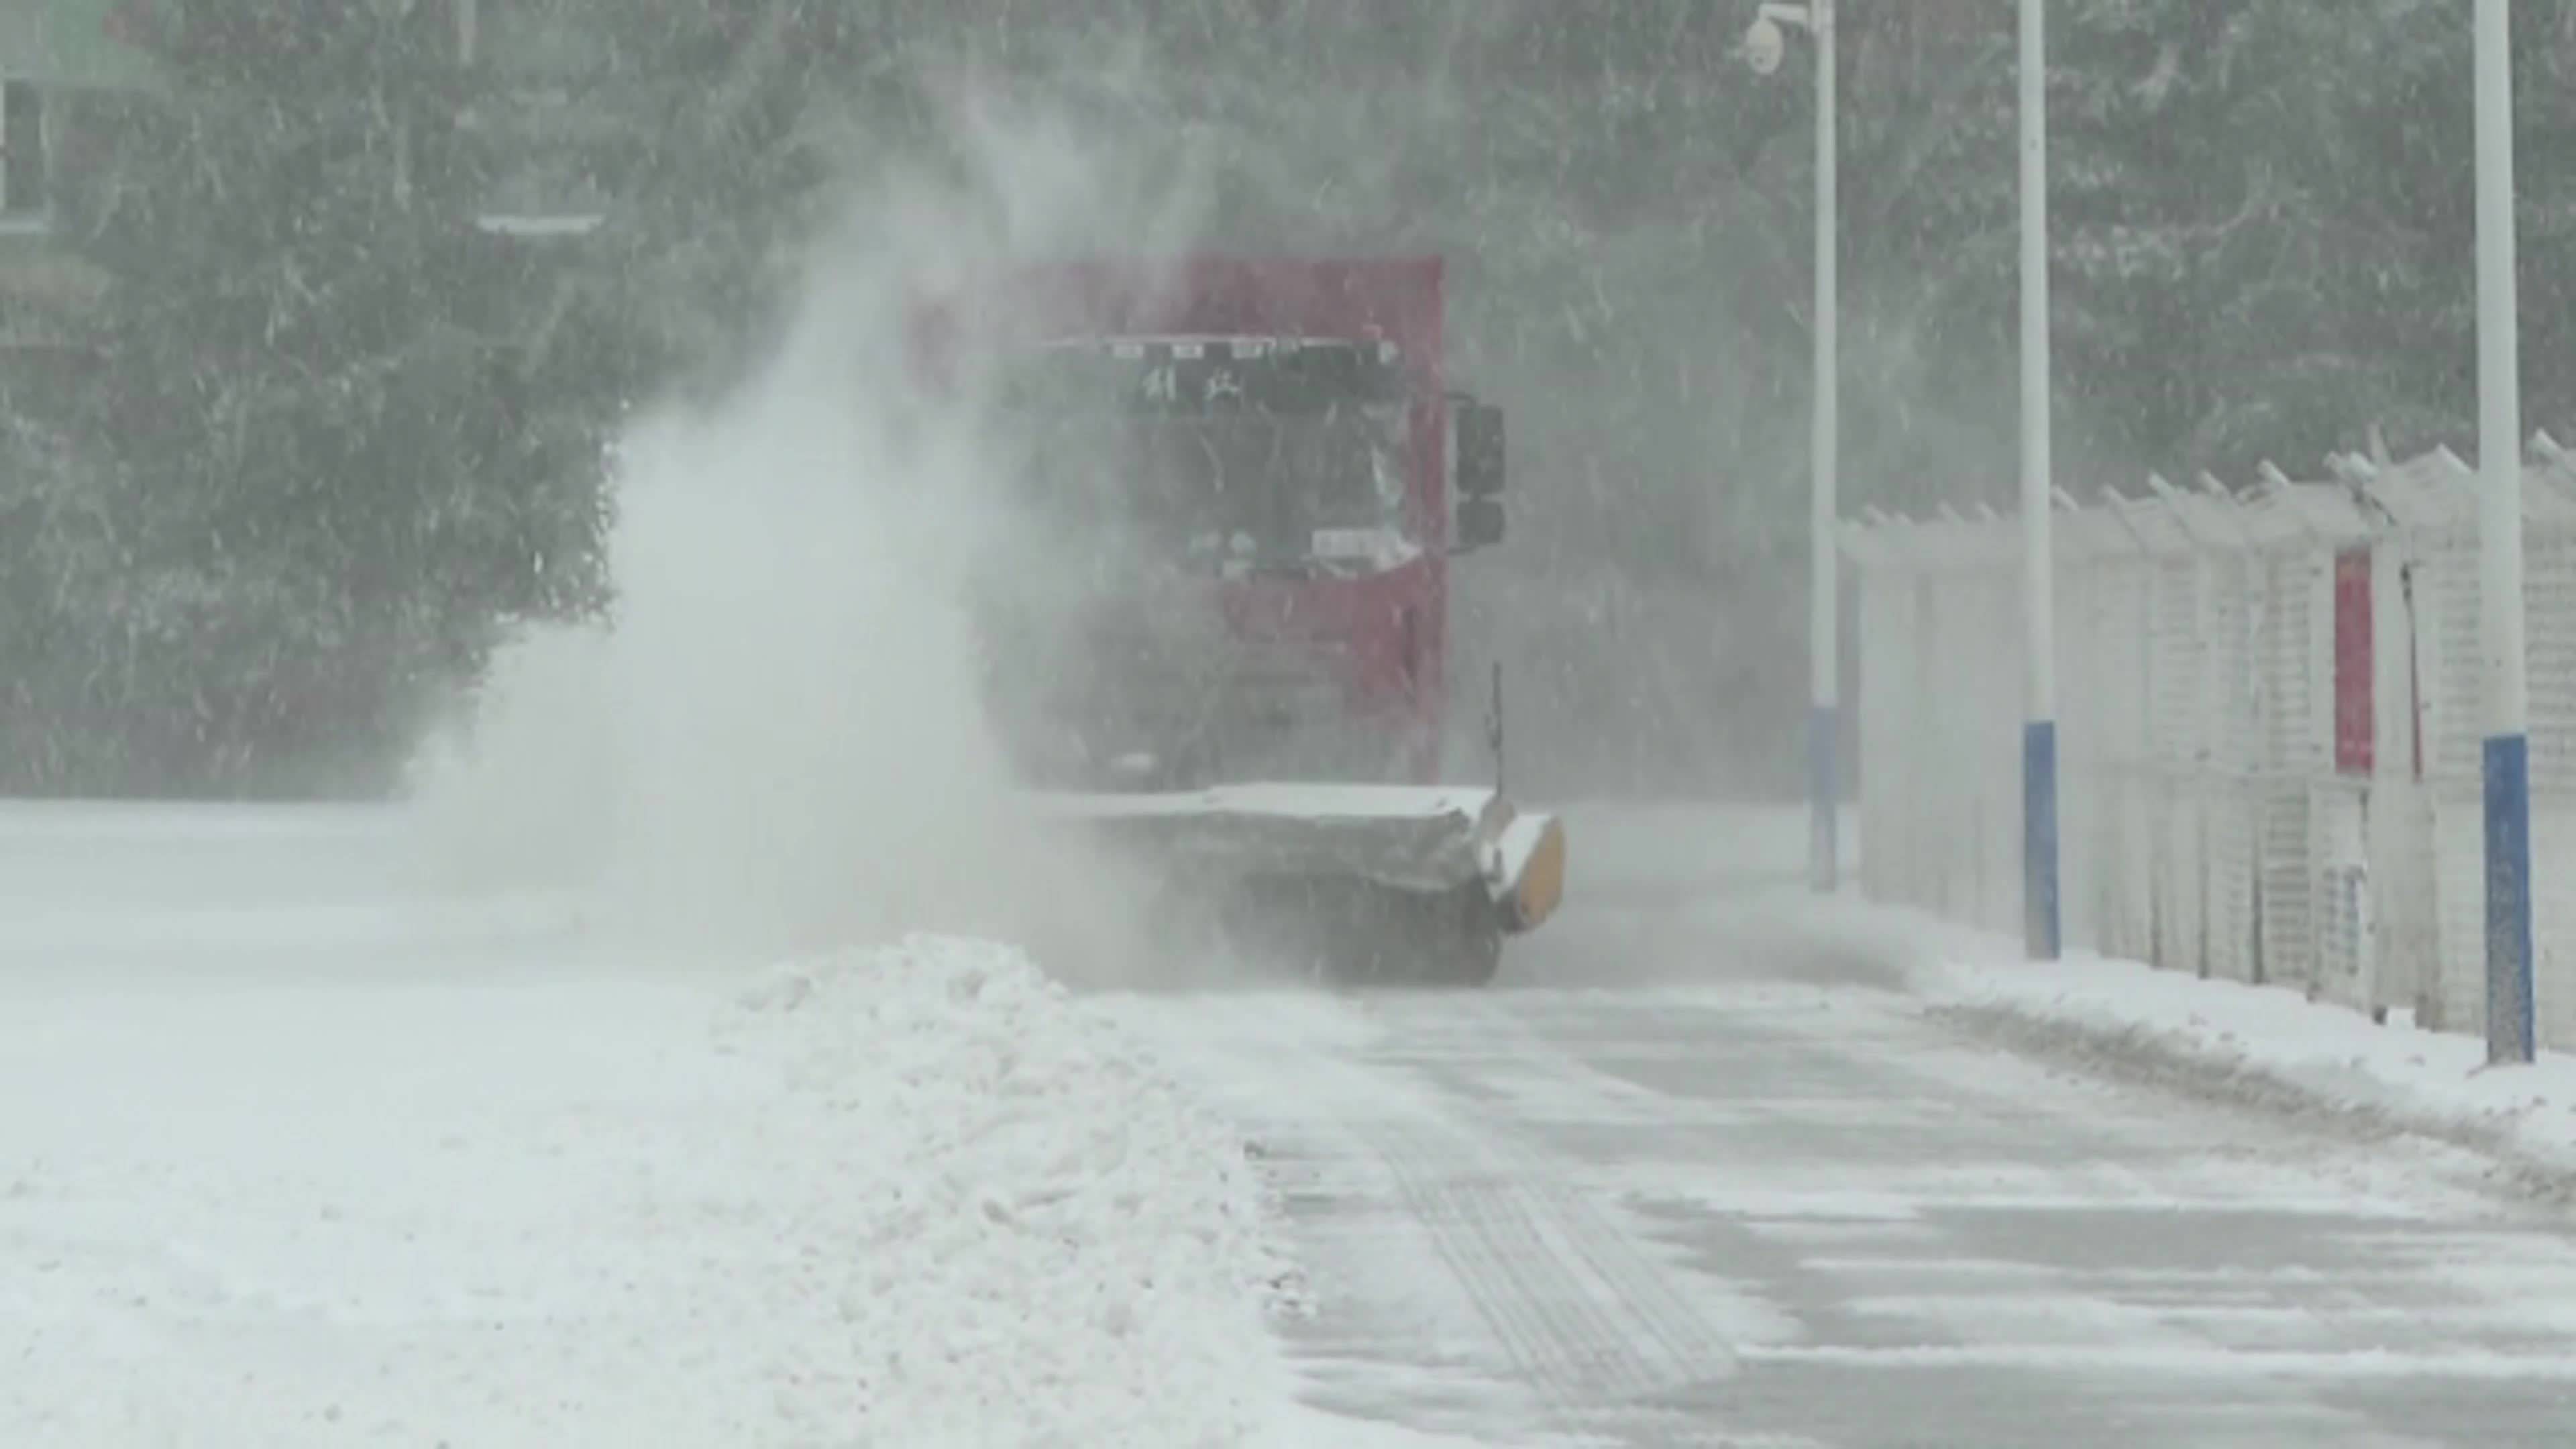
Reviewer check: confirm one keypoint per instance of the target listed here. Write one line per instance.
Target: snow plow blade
(1361, 883)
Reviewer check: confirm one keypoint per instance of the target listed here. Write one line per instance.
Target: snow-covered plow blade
(1416, 884)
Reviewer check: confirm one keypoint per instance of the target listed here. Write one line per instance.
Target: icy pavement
(1754, 1191)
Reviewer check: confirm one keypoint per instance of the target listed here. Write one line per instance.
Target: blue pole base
(2039, 839)
(1824, 794)
(2511, 1031)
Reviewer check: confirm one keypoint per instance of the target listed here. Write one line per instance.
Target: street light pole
(1763, 46)
(2510, 1027)
(2039, 727)
(1824, 645)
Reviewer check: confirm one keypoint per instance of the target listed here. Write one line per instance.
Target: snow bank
(916, 1195)
(1063, 1248)
(2266, 1042)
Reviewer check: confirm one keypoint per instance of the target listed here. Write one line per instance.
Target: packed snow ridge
(918, 1194)
(1046, 1241)
(2270, 1042)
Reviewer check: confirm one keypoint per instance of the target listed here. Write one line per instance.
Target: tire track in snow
(1588, 1320)
(1606, 1332)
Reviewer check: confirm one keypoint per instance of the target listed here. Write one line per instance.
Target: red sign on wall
(2353, 695)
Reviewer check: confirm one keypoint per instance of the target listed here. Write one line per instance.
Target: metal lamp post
(1764, 47)
(2506, 764)
(2039, 718)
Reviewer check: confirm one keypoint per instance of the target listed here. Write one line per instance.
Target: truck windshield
(1262, 490)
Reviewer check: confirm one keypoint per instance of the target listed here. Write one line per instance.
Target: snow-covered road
(1749, 1191)
(292, 1159)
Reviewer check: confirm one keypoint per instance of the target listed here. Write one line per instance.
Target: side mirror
(1480, 523)
(1480, 449)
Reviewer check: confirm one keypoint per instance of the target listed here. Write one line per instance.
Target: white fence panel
(2268, 772)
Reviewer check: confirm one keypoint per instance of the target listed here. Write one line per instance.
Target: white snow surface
(2227, 1035)
(913, 1195)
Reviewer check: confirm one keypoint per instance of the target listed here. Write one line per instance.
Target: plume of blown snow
(777, 741)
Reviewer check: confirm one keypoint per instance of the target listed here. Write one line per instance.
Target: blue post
(2510, 1032)
(2039, 839)
(1824, 792)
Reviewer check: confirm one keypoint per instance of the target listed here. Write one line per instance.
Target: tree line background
(325, 440)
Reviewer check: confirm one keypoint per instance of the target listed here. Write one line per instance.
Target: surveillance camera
(1764, 46)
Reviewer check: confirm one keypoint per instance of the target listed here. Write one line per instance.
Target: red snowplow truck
(1251, 477)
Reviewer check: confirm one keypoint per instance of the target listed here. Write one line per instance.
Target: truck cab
(1248, 479)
